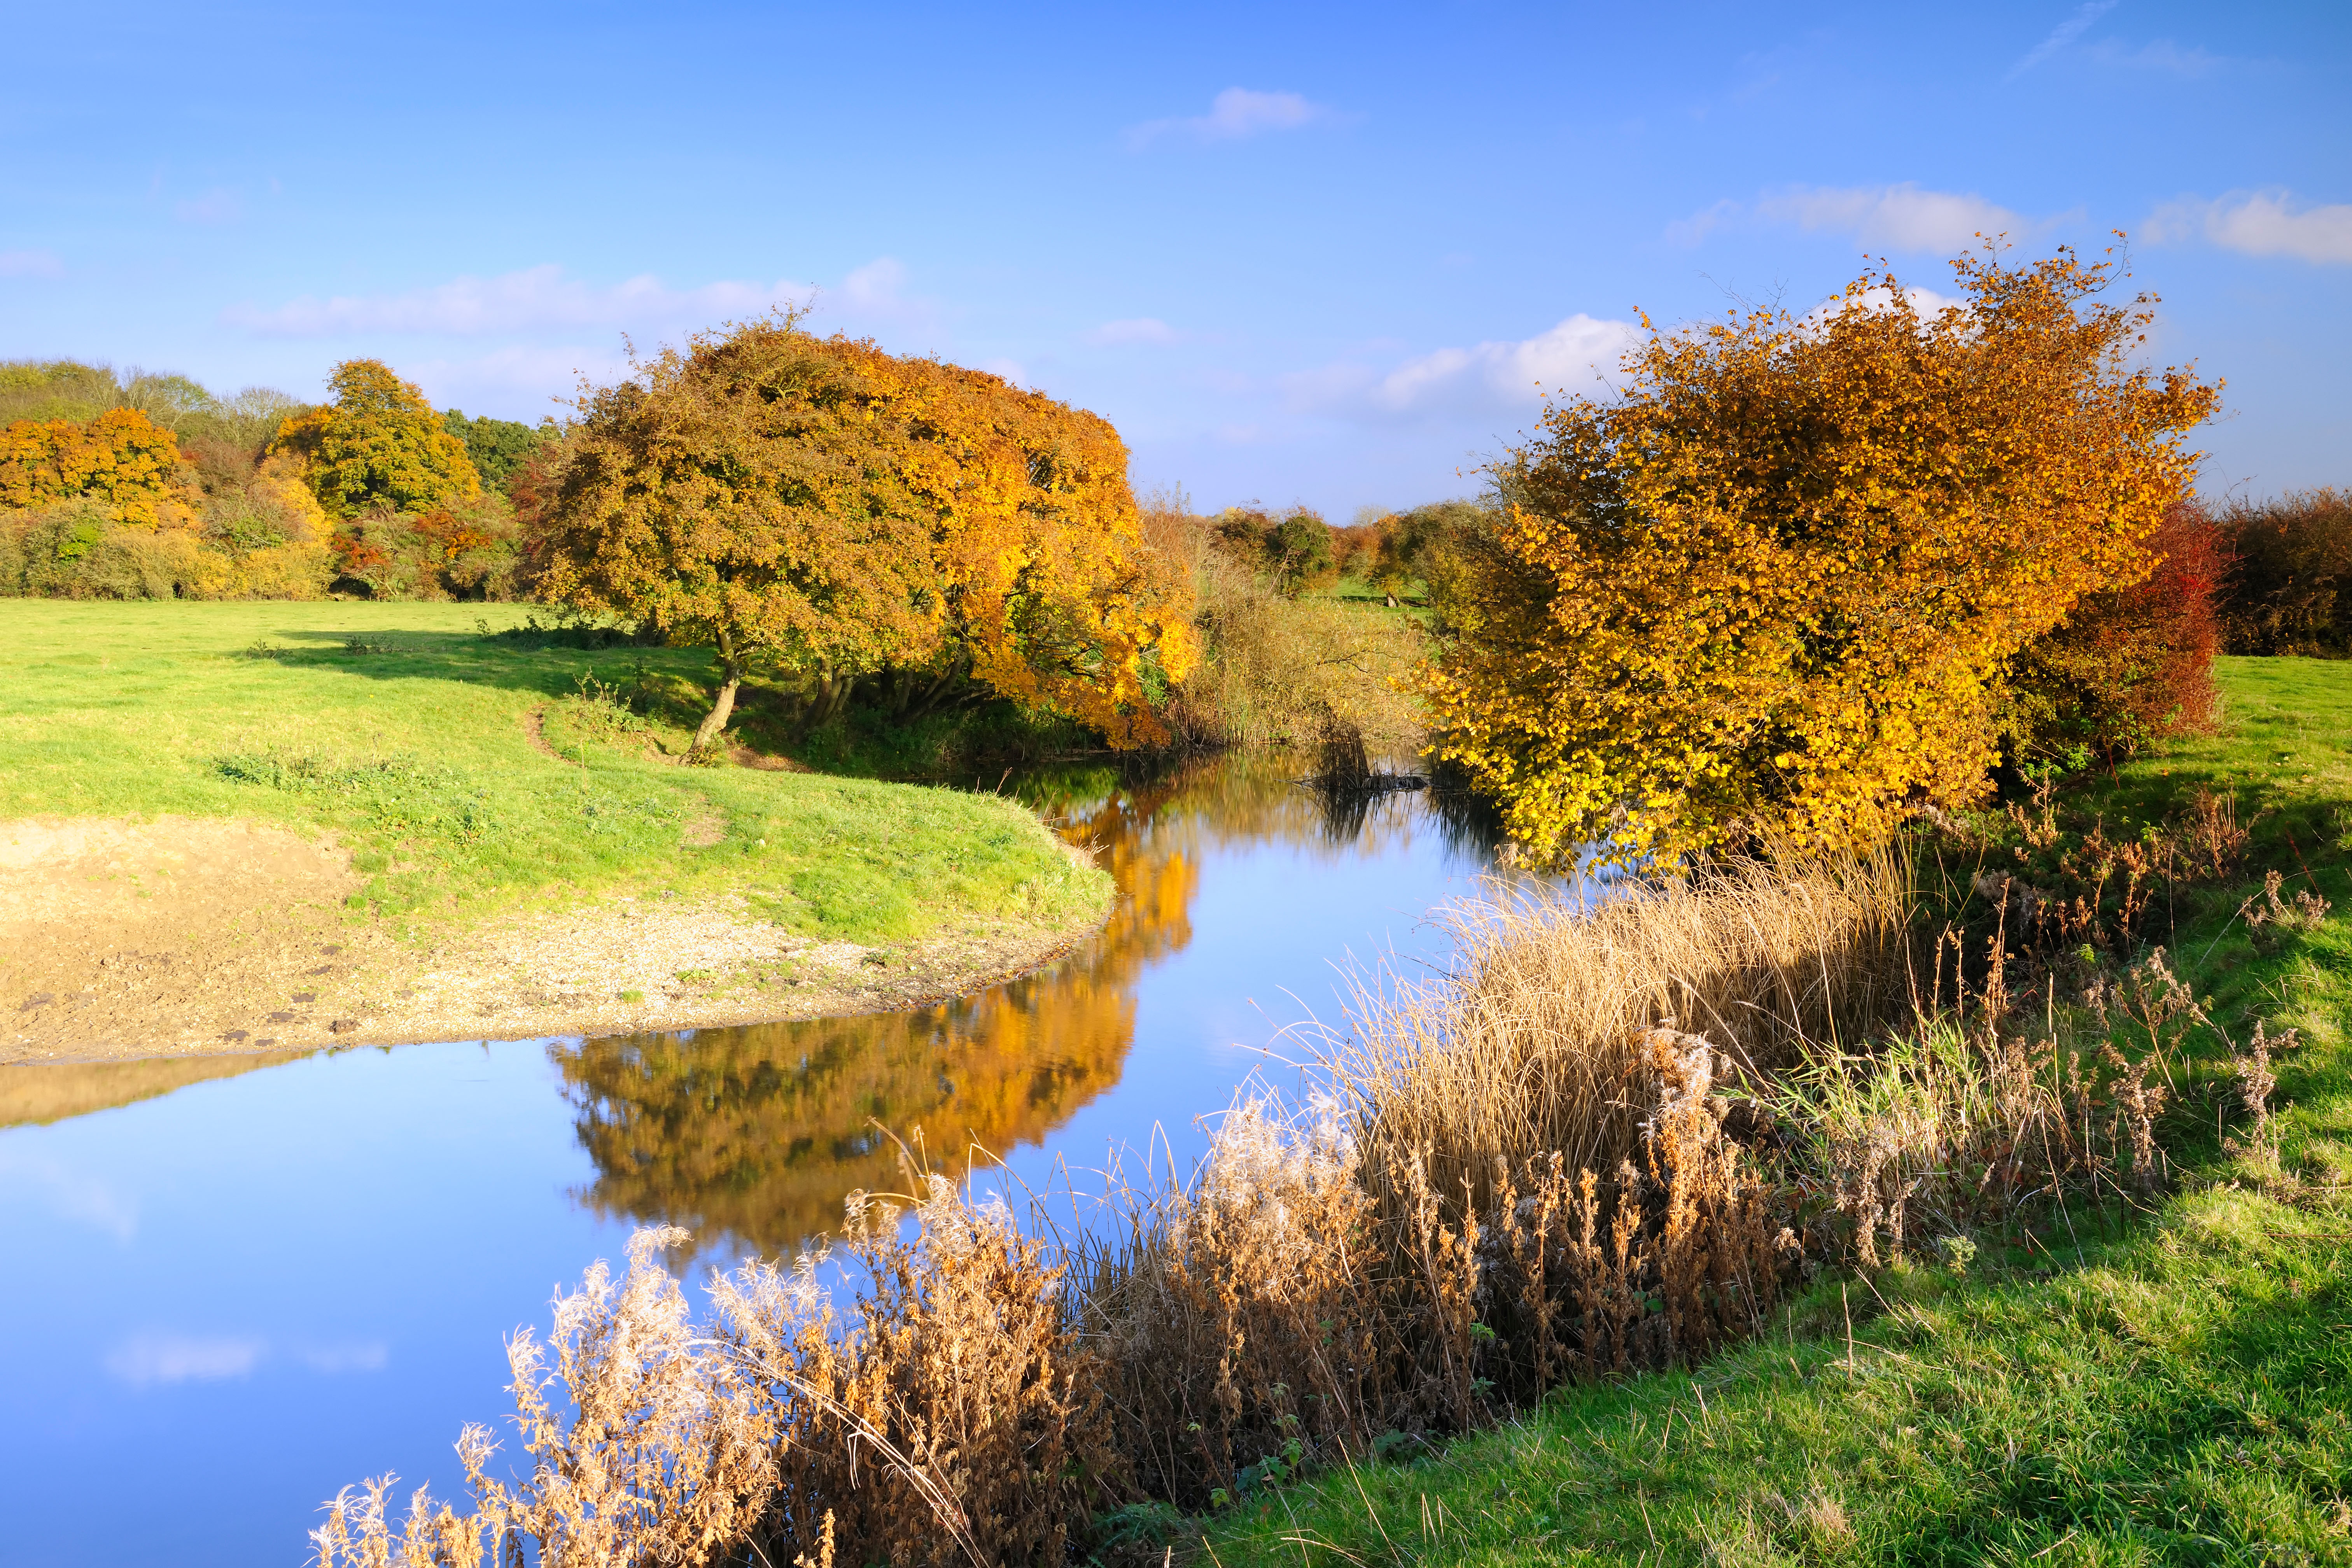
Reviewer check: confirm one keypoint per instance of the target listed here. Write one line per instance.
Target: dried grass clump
(661, 1456)
(1296, 1305)
(951, 1419)
(1247, 1317)
(1530, 1048)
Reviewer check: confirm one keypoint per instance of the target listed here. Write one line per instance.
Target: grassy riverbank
(2166, 1386)
(241, 825)
(471, 773)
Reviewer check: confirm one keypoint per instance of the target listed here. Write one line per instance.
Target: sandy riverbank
(185, 936)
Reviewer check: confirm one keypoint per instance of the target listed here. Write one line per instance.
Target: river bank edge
(122, 940)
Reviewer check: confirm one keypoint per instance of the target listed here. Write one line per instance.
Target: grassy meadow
(471, 773)
(2167, 1383)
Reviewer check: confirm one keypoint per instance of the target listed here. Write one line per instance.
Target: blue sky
(1319, 254)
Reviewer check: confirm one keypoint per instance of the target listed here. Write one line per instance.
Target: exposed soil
(181, 936)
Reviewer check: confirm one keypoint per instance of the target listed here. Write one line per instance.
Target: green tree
(497, 447)
(379, 444)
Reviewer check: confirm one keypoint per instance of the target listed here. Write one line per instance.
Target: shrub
(2288, 589)
(2129, 666)
(1766, 592)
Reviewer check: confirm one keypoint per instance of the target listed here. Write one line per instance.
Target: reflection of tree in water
(761, 1130)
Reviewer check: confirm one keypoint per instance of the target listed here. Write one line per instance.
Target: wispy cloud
(1234, 114)
(145, 1359)
(1490, 377)
(1896, 217)
(214, 208)
(161, 1357)
(355, 1355)
(2158, 54)
(2063, 34)
(85, 1199)
(540, 299)
(31, 263)
(1135, 330)
(2259, 223)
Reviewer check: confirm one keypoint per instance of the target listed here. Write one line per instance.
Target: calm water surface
(235, 1285)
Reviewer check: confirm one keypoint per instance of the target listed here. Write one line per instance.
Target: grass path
(2177, 1389)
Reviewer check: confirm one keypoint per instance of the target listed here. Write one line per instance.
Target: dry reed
(1528, 1049)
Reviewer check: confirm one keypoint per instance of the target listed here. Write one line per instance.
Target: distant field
(470, 773)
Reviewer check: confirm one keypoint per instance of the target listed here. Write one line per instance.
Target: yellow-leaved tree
(378, 444)
(121, 458)
(1767, 593)
(831, 511)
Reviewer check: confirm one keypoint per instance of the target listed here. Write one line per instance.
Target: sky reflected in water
(239, 1284)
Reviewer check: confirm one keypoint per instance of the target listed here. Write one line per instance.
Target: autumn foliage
(2131, 664)
(122, 457)
(1773, 590)
(2289, 588)
(379, 444)
(829, 510)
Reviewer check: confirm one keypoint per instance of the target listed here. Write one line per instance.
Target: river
(235, 1285)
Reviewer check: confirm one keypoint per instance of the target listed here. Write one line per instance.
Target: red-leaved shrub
(2132, 664)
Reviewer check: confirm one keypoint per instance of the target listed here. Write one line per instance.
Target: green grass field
(2176, 1389)
(411, 732)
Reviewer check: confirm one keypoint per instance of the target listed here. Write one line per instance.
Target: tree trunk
(732, 677)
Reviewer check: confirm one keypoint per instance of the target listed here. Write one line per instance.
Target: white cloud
(2158, 55)
(217, 205)
(540, 299)
(147, 1359)
(2259, 223)
(84, 1199)
(1234, 114)
(1897, 217)
(1136, 330)
(31, 263)
(362, 1355)
(2063, 34)
(1490, 377)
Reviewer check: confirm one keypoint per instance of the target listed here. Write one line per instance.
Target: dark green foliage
(2289, 588)
(497, 447)
(1294, 548)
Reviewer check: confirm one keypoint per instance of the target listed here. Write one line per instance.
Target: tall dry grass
(1530, 1048)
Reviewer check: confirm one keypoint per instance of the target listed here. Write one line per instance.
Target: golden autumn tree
(378, 445)
(832, 511)
(122, 457)
(1770, 592)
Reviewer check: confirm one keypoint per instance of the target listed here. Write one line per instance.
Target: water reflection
(761, 1131)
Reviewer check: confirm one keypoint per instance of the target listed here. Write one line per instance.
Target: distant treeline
(129, 486)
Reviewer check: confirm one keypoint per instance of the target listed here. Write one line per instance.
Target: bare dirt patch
(179, 936)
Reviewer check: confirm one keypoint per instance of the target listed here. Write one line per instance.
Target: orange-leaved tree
(121, 458)
(833, 511)
(1768, 592)
(378, 444)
